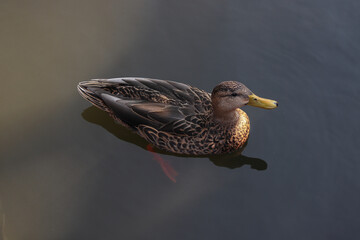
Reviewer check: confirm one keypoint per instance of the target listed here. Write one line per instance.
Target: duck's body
(174, 116)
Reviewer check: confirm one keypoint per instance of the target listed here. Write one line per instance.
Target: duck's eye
(234, 94)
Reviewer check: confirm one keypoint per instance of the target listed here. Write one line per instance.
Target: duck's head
(230, 95)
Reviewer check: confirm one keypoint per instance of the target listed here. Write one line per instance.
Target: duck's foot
(165, 165)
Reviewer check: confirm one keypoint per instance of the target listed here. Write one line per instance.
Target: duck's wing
(163, 105)
(142, 116)
(147, 90)
(190, 125)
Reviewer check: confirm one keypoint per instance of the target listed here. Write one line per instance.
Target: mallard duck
(177, 117)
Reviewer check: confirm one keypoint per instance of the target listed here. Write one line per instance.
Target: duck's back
(136, 102)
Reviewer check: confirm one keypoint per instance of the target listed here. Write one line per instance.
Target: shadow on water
(232, 160)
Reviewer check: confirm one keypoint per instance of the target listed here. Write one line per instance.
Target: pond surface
(68, 172)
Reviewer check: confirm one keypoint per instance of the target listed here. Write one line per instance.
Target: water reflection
(237, 160)
(232, 160)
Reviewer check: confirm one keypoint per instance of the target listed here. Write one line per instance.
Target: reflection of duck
(237, 160)
(177, 117)
(232, 160)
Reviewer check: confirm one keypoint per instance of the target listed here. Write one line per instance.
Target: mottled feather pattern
(172, 116)
(212, 138)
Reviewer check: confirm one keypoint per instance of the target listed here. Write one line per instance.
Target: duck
(177, 117)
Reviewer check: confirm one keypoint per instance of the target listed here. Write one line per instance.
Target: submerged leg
(165, 165)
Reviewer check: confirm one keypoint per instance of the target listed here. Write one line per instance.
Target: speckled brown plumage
(173, 116)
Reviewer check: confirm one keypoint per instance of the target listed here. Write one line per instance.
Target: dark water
(67, 172)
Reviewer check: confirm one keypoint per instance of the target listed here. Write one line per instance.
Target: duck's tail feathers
(89, 91)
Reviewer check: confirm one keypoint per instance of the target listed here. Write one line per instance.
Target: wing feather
(164, 105)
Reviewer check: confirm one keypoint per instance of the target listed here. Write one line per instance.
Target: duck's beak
(262, 102)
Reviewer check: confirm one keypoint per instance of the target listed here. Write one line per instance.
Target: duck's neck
(226, 117)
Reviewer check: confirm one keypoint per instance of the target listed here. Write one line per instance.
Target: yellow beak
(262, 102)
